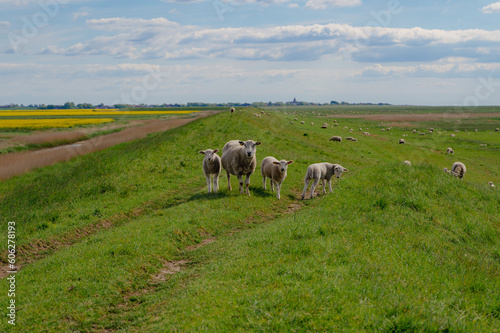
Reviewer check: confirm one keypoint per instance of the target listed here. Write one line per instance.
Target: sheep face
(283, 165)
(209, 154)
(337, 171)
(250, 147)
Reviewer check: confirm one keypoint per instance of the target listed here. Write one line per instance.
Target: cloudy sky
(177, 51)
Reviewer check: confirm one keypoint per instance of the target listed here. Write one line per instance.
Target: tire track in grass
(41, 248)
(172, 267)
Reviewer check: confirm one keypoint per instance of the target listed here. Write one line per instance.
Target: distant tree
(69, 105)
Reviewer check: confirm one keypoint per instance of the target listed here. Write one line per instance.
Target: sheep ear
(241, 143)
(257, 143)
(289, 162)
(216, 150)
(277, 163)
(202, 152)
(345, 169)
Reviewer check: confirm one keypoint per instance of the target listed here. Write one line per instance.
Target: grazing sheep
(324, 126)
(232, 110)
(238, 158)
(491, 184)
(349, 138)
(414, 131)
(336, 138)
(312, 124)
(449, 151)
(475, 130)
(276, 172)
(354, 140)
(483, 145)
(336, 124)
(407, 163)
(324, 172)
(401, 141)
(302, 122)
(458, 169)
(211, 166)
(497, 129)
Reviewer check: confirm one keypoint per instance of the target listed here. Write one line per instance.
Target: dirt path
(14, 164)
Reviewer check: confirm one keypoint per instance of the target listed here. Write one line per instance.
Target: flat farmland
(127, 238)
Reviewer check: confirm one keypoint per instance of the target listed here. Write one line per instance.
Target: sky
(222, 51)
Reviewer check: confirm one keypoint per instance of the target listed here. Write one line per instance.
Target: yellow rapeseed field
(51, 123)
(83, 112)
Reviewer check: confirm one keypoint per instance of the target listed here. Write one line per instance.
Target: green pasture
(128, 240)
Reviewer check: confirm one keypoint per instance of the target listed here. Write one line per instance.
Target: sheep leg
(313, 186)
(306, 182)
(323, 182)
(330, 185)
(216, 182)
(278, 190)
(247, 185)
(273, 184)
(240, 179)
(208, 183)
(229, 181)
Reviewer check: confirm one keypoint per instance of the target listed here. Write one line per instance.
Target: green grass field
(128, 240)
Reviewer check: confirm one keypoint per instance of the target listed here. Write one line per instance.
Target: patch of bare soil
(417, 117)
(14, 164)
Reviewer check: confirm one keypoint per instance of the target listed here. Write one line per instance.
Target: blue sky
(178, 51)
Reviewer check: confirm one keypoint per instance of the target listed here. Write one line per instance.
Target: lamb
(407, 163)
(238, 158)
(211, 166)
(401, 141)
(324, 172)
(449, 151)
(458, 169)
(336, 138)
(276, 172)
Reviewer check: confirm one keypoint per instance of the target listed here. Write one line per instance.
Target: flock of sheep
(239, 159)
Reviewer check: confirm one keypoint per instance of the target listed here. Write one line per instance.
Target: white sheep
(407, 163)
(324, 172)
(238, 158)
(276, 172)
(336, 138)
(491, 184)
(401, 141)
(449, 150)
(458, 169)
(354, 140)
(211, 166)
(232, 110)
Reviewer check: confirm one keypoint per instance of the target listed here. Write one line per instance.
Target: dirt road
(14, 164)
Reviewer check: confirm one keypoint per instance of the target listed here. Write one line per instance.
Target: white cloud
(323, 4)
(447, 68)
(492, 8)
(78, 15)
(160, 38)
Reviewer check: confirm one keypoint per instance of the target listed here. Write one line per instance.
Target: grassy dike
(128, 240)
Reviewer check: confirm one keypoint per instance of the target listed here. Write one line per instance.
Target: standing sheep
(324, 172)
(336, 138)
(458, 169)
(232, 110)
(276, 172)
(238, 158)
(449, 151)
(211, 166)
(401, 141)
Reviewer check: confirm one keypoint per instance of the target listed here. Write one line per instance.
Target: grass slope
(393, 249)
